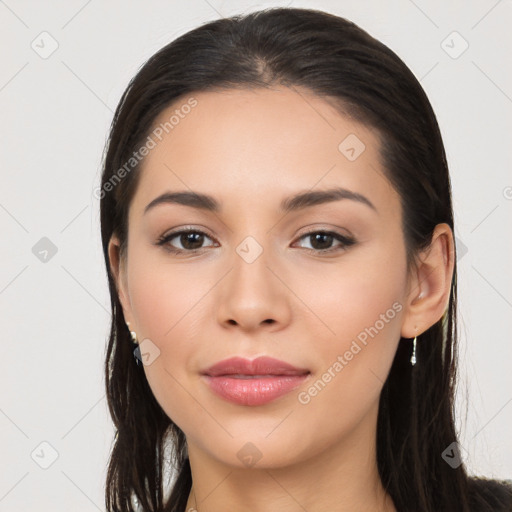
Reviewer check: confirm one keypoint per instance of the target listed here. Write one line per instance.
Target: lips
(261, 366)
(251, 383)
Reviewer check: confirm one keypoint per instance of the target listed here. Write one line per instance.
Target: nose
(253, 295)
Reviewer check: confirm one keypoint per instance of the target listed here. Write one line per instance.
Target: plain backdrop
(64, 66)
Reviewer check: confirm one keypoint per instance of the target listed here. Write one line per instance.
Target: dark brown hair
(335, 59)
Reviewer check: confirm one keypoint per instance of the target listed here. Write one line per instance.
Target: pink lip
(226, 379)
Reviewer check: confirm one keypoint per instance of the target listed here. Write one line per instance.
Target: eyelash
(345, 241)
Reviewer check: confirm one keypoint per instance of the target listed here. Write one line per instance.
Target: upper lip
(260, 366)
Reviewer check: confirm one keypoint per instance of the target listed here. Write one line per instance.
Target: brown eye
(191, 240)
(321, 241)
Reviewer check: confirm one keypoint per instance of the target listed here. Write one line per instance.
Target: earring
(413, 357)
(135, 346)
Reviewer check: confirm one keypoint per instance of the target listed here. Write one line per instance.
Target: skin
(250, 149)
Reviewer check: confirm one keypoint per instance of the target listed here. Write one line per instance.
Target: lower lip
(257, 391)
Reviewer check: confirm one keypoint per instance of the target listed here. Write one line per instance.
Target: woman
(275, 190)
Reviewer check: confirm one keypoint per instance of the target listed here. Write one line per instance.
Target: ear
(118, 269)
(430, 284)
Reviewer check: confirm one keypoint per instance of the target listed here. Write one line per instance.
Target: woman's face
(257, 282)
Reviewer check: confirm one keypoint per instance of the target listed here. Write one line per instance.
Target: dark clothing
(490, 495)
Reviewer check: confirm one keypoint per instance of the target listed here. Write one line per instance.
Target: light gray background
(55, 113)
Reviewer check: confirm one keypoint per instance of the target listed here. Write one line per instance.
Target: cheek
(358, 291)
(168, 302)
(356, 326)
(360, 325)
(165, 297)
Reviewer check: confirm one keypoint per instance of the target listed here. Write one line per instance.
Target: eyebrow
(294, 203)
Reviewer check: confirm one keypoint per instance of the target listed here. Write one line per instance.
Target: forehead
(260, 144)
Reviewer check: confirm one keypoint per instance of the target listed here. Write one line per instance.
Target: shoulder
(486, 495)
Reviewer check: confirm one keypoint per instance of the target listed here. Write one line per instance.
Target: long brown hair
(340, 62)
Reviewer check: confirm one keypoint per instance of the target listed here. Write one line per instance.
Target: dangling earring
(413, 357)
(135, 346)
